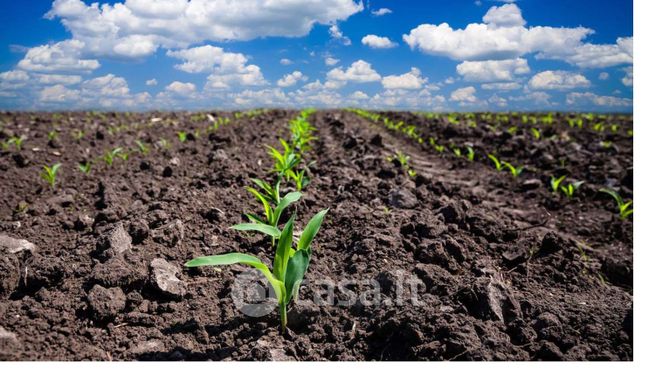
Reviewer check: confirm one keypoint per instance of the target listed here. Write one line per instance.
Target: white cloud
(291, 79)
(265, 97)
(407, 99)
(181, 88)
(464, 95)
(107, 85)
(377, 42)
(358, 95)
(330, 61)
(577, 98)
(137, 28)
(603, 76)
(498, 101)
(537, 97)
(58, 94)
(408, 81)
(492, 70)
(14, 76)
(57, 79)
(508, 15)
(243, 75)
(502, 86)
(359, 71)
(503, 35)
(64, 56)
(151, 82)
(558, 80)
(336, 34)
(627, 80)
(285, 61)
(380, 12)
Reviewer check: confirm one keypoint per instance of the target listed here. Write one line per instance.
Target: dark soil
(505, 269)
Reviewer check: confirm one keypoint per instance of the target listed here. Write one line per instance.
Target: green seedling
(470, 153)
(143, 148)
(182, 136)
(299, 178)
(77, 134)
(52, 135)
(301, 132)
(17, 141)
(516, 171)
(512, 130)
(556, 182)
(569, 189)
(497, 163)
(289, 265)
(403, 160)
(84, 167)
(625, 207)
(164, 144)
(285, 161)
(536, 133)
(606, 144)
(49, 174)
(272, 213)
(109, 156)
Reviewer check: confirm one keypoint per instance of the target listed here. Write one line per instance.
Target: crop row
(558, 184)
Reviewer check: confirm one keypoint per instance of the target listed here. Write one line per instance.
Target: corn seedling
(52, 135)
(182, 136)
(536, 133)
(109, 156)
(17, 142)
(285, 161)
(569, 189)
(164, 144)
(77, 134)
(49, 174)
(272, 214)
(516, 171)
(457, 151)
(403, 160)
(556, 182)
(497, 163)
(625, 207)
(289, 265)
(299, 178)
(470, 153)
(84, 167)
(143, 148)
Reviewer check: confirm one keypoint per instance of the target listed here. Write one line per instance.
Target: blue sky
(418, 55)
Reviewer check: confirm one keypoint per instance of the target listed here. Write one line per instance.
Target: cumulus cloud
(503, 35)
(589, 98)
(502, 86)
(358, 95)
(266, 97)
(377, 42)
(498, 101)
(380, 12)
(64, 56)
(603, 76)
(291, 79)
(337, 35)
(330, 61)
(627, 79)
(359, 71)
(558, 80)
(151, 82)
(181, 88)
(107, 85)
(58, 94)
(14, 76)
(408, 81)
(407, 99)
(137, 28)
(492, 70)
(285, 61)
(57, 79)
(464, 95)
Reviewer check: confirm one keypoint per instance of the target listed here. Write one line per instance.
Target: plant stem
(283, 316)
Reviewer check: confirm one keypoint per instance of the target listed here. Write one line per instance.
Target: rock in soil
(15, 245)
(164, 278)
(9, 345)
(169, 234)
(115, 242)
(106, 303)
(402, 198)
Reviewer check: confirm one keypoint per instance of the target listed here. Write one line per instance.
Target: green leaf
(295, 273)
(265, 203)
(287, 200)
(239, 258)
(311, 230)
(283, 250)
(263, 228)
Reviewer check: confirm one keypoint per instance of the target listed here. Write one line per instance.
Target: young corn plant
(625, 207)
(17, 141)
(470, 153)
(84, 167)
(52, 135)
(289, 264)
(285, 161)
(556, 182)
(110, 156)
(536, 133)
(49, 174)
(182, 136)
(516, 171)
(497, 163)
(570, 188)
(299, 178)
(143, 148)
(403, 160)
